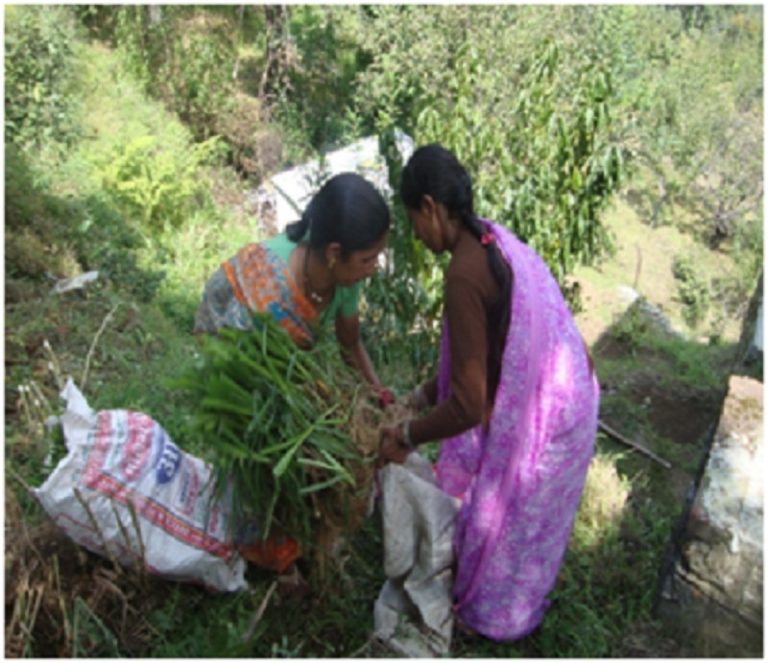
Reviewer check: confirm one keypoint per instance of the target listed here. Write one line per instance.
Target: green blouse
(345, 298)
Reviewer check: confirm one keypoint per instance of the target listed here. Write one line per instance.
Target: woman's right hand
(392, 447)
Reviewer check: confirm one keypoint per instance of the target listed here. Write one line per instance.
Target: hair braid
(432, 170)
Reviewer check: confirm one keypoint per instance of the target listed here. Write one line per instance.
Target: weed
(40, 70)
(193, 623)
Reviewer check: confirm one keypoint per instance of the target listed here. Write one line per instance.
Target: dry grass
(63, 602)
(343, 510)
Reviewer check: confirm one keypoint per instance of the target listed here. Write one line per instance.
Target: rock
(627, 295)
(713, 596)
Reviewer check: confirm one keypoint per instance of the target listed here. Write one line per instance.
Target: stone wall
(712, 598)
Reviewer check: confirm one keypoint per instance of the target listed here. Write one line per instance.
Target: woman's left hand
(392, 445)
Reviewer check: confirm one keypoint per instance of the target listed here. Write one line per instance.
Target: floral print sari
(256, 280)
(521, 477)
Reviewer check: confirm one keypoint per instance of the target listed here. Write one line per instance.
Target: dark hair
(347, 209)
(434, 171)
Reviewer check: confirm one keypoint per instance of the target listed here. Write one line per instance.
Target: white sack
(413, 614)
(128, 472)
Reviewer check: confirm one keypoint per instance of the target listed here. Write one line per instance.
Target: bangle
(407, 436)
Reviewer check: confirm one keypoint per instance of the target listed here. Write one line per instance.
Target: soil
(683, 418)
(46, 573)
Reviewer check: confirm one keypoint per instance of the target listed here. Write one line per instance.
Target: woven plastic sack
(413, 613)
(127, 492)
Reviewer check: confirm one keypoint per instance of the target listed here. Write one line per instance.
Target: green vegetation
(276, 423)
(692, 290)
(133, 134)
(40, 75)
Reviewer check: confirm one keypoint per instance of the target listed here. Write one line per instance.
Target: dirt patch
(677, 414)
(650, 402)
(680, 418)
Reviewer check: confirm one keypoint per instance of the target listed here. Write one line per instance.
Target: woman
(305, 278)
(515, 403)
(310, 274)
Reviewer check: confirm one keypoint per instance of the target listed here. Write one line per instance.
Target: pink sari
(521, 479)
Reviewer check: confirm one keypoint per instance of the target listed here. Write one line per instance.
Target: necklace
(318, 299)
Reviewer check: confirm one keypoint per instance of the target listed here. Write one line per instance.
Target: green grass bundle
(277, 423)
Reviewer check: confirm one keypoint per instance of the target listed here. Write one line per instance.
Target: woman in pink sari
(515, 403)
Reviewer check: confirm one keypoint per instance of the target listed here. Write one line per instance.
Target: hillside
(131, 170)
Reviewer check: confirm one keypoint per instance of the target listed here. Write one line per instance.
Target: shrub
(692, 291)
(184, 56)
(39, 75)
(160, 187)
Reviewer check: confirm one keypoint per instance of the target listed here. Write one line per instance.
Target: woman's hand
(392, 447)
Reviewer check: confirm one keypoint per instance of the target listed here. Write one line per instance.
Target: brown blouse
(470, 292)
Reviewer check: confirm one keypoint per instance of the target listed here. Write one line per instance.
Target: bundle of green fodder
(291, 433)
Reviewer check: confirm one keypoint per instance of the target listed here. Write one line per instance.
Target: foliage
(255, 148)
(697, 111)
(320, 75)
(672, 72)
(271, 415)
(159, 187)
(404, 42)
(51, 235)
(172, 181)
(193, 623)
(214, 626)
(531, 120)
(692, 291)
(37, 237)
(542, 169)
(40, 103)
(732, 291)
(404, 299)
(184, 56)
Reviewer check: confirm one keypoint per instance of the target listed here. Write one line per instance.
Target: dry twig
(100, 331)
(635, 445)
(259, 612)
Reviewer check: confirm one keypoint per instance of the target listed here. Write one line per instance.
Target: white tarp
(284, 196)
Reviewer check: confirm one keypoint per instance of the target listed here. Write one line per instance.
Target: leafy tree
(323, 56)
(697, 113)
(534, 127)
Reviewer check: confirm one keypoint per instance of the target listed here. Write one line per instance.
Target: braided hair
(434, 171)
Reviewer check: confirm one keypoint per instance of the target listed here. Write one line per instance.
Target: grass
(151, 285)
